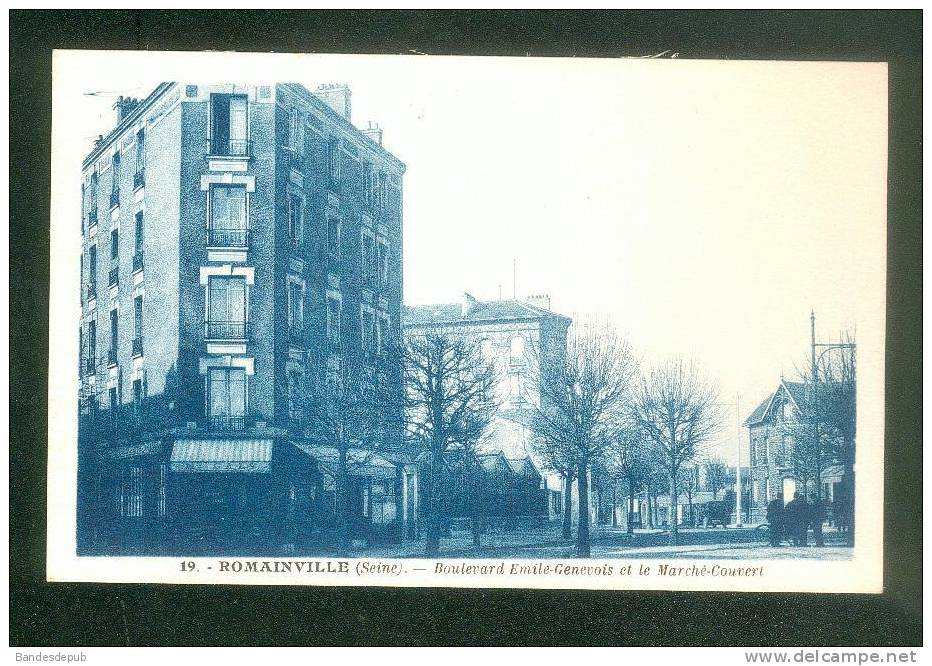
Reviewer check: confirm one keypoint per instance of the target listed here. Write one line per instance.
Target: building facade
(774, 469)
(234, 239)
(507, 330)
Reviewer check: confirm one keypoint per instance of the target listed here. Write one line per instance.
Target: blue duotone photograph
(524, 313)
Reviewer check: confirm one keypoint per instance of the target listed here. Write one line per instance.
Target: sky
(702, 207)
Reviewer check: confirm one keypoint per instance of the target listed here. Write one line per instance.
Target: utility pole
(738, 465)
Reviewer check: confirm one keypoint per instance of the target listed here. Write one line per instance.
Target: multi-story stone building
(774, 468)
(507, 330)
(232, 237)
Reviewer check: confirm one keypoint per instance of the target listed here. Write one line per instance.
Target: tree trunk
(674, 533)
(631, 501)
(614, 504)
(567, 507)
(582, 534)
(432, 545)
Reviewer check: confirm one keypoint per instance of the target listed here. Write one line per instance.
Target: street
(608, 542)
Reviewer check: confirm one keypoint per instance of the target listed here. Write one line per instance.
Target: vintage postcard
(469, 322)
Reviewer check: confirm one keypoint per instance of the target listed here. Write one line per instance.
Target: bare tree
(449, 389)
(581, 398)
(627, 459)
(349, 407)
(716, 475)
(825, 430)
(677, 409)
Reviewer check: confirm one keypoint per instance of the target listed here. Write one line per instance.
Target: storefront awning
(359, 462)
(252, 456)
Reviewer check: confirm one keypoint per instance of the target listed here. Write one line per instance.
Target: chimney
(124, 106)
(337, 97)
(539, 301)
(467, 303)
(374, 132)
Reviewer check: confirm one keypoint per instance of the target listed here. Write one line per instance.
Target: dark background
(85, 615)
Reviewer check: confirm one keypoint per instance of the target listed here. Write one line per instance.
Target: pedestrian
(776, 519)
(816, 518)
(797, 517)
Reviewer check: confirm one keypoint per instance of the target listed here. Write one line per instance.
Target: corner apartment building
(233, 236)
(507, 329)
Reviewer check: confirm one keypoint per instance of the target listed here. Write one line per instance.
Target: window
(114, 333)
(295, 132)
(333, 162)
(139, 175)
(83, 206)
(92, 270)
(228, 125)
(383, 264)
(92, 267)
(228, 219)
(367, 184)
(131, 493)
(114, 401)
(517, 349)
(137, 394)
(115, 245)
(367, 330)
(93, 201)
(382, 332)
(334, 308)
(333, 237)
(137, 326)
(295, 305)
(91, 345)
(115, 190)
(382, 192)
(368, 259)
(296, 219)
(226, 308)
(138, 241)
(226, 393)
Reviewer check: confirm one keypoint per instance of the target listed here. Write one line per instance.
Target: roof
(222, 455)
(793, 389)
(130, 119)
(478, 312)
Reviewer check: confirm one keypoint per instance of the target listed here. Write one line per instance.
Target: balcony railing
(115, 198)
(137, 346)
(137, 262)
(228, 237)
(226, 423)
(139, 179)
(230, 148)
(91, 290)
(114, 276)
(227, 330)
(111, 357)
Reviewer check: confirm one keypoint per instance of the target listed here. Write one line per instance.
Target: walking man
(776, 518)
